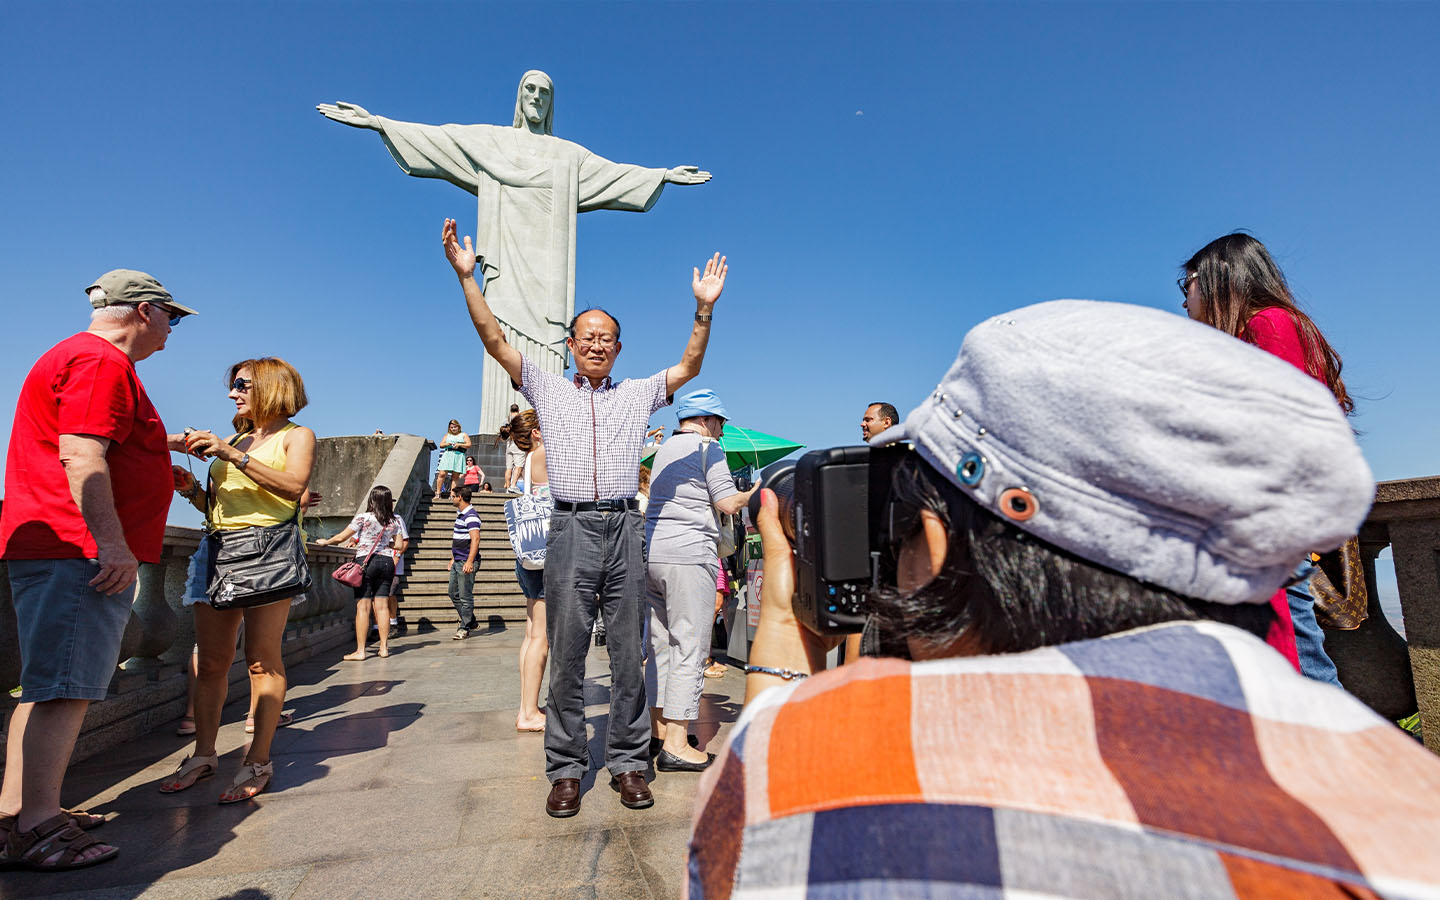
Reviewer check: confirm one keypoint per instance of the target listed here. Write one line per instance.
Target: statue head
(535, 101)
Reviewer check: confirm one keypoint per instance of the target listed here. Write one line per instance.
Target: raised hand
(351, 114)
(462, 259)
(707, 287)
(685, 175)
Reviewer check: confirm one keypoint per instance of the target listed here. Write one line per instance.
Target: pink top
(1274, 330)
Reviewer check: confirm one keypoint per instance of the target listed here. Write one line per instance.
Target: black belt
(598, 505)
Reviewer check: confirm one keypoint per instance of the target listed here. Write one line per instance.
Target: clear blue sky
(886, 175)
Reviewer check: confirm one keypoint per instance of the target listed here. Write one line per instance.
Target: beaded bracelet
(786, 674)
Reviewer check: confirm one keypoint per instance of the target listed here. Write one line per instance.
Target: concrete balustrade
(149, 688)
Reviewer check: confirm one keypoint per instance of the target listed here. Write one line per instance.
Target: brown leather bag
(1338, 585)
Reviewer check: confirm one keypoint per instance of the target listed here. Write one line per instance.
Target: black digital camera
(832, 504)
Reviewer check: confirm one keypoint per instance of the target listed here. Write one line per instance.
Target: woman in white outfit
(689, 483)
(534, 647)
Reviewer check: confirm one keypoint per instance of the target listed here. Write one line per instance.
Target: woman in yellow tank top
(257, 478)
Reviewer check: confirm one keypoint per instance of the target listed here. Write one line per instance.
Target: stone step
(441, 577)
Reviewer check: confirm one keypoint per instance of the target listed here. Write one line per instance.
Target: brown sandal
(58, 834)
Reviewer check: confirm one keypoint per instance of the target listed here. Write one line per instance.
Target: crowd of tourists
(1092, 665)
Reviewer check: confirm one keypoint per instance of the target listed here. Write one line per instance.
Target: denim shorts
(69, 632)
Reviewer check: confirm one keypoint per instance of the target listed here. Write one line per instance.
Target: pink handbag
(352, 572)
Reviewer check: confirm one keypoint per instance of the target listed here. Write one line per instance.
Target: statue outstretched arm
(686, 175)
(707, 290)
(462, 260)
(351, 114)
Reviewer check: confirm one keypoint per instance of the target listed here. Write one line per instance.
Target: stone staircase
(498, 600)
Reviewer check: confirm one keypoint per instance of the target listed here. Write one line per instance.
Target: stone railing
(1406, 518)
(149, 685)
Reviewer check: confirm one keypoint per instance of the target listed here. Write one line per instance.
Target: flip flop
(251, 775)
(192, 768)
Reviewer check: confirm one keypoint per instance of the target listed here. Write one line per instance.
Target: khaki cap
(125, 286)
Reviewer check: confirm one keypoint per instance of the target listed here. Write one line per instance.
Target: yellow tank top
(240, 502)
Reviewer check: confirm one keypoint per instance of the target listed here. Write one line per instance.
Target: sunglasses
(174, 317)
(241, 385)
(1183, 282)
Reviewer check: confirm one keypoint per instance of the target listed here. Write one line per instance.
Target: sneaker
(402, 628)
(461, 634)
(394, 632)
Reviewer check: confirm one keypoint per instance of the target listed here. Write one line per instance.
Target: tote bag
(527, 521)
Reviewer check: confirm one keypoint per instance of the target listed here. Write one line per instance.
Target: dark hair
(485, 486)
(887, 411)
(381, 505)
(570, 329)
(1237, 277)
(1011, 591)
(514, 408)
(465, 492)
(470, 460)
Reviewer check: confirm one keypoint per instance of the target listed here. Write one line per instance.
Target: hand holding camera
(203, 444)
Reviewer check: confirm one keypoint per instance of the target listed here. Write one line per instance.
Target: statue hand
(462, 259)
(348, 114)
(707, 287)
(687, 175)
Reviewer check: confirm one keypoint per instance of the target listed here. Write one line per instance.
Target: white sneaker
(461, 634)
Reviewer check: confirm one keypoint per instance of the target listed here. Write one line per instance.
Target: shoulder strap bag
(724, 522)
(257, 565)
(352, 572)
(527, 522)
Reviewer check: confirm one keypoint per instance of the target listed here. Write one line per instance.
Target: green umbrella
(744, 447)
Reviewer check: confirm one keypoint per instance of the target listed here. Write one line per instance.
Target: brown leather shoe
(564, 799)
(634, 792)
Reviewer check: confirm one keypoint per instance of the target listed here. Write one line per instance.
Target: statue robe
(529, 188)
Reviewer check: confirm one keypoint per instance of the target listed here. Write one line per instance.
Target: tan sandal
(56, 835)
(190, 770)
(251, 775)
(285, 719)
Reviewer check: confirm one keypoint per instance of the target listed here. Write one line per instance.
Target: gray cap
(125, 286)
(1155, 446)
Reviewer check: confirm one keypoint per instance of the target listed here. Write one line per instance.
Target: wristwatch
(704, 318)
(244, 461)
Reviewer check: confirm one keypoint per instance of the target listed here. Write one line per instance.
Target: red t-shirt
(84, 385)
(1274, 331)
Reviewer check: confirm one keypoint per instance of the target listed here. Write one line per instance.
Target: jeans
(1309, 639)
(462, 594)
(595, 563)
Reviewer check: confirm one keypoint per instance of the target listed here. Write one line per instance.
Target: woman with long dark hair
(1233, 284)
(257, 479)
(380, 536)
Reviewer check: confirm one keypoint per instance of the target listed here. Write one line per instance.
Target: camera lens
(780, 478)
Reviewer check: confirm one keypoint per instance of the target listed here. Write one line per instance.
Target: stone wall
(148, 688)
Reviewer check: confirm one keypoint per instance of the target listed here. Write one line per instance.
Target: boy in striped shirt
(464, 553)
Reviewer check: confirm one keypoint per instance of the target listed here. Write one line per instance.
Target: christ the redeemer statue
(530, 185)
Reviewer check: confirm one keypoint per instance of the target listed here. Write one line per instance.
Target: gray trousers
(681, 599)
(595, 562)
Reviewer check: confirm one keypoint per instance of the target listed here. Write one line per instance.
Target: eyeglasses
(241, 385)
(174, 317)
(606, 342)
(1183, 282)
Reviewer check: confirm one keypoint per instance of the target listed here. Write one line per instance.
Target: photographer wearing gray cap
(1076, 558)
(87, 491)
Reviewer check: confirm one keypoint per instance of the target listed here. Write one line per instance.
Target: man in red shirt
(87, 489)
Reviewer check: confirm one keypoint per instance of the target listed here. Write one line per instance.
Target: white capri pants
(681, 599)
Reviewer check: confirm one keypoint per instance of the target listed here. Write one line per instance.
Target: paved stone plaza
(401, 777)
